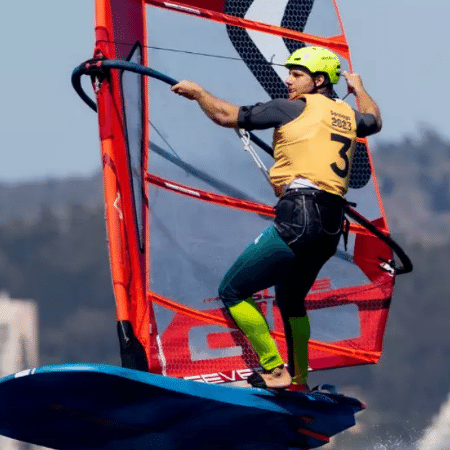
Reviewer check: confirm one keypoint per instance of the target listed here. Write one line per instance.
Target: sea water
(435, 437)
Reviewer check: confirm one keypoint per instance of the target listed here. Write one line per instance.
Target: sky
(47, 132)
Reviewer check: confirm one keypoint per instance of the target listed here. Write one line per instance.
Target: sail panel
(344, 303)
(286, 18)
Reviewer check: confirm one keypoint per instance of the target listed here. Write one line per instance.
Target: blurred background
(52, 232)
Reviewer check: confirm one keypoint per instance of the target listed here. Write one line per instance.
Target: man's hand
(354, 82)
(219, 111)
(364, 102)
(188, 89)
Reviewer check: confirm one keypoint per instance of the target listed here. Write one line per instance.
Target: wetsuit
(314, 139)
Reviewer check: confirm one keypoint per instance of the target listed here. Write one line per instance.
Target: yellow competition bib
(318, 145)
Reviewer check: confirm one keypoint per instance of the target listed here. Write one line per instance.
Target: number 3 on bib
(346, 145)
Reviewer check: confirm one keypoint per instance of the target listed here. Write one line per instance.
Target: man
(314, 139)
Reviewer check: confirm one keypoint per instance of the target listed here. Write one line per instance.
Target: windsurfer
(314, 139)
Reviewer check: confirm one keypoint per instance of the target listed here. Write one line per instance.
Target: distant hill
(414, 178)
(24, 200)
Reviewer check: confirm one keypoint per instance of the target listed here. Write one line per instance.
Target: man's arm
(364, 102)
(218, 110)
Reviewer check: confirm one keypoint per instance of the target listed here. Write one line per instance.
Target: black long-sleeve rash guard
(280, 111)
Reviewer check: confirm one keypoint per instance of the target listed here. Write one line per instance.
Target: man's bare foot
(278, 378)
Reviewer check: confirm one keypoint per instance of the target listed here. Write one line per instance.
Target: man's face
(299, 82)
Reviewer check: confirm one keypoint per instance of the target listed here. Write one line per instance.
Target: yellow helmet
(317, 59)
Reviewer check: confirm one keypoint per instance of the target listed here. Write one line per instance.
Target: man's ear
(319, 80)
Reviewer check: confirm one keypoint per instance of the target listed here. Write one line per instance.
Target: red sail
(183, 199)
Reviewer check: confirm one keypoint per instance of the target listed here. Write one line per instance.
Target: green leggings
(264, 263)
(289, 256)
